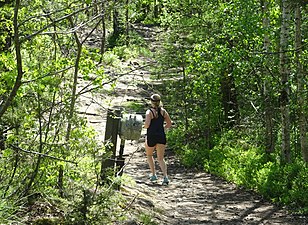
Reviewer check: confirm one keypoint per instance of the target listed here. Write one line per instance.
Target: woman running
(157, 120)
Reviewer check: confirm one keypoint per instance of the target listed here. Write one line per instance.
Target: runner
(156, 121)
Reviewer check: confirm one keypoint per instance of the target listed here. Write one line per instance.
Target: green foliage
(8, 210)
(47, 221)
(124, 53)
(92, 207)
(204, 43)
(133, 106)
(111, 59)
(144, 11)
(192, 154)
(286, 184)
(235, 158)
(212, 49)
(146, 219)
(6, 27)
(35, 125)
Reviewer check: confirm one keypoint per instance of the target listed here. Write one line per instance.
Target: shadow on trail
(195, 197)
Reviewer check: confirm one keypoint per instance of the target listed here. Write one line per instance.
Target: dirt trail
(193, 197)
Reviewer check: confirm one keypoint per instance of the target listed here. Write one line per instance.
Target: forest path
(192, 197)
(195, 197)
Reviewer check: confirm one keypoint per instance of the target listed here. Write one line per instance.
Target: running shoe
(153, 178)
(165, 181)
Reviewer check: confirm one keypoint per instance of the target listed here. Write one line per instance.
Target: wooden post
(121, 152)
(120, 162)
(111, 136)
(112, 130)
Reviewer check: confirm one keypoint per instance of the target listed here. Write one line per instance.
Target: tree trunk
(285, 86)
(229, 99)
(103, 44)
(72, 107)
(300, 85)
(127, 23)
(185, 101)
(39, 159)
(74, 86)
(268, 108)
(4, 106)
(155, 9)
(116, 23)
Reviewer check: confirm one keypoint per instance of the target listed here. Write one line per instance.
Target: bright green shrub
(192, 154)
(236, 163)
(124, 53)
(176, 139)
(237, 160)
(263, 178)
(7, 210)
(299, 191)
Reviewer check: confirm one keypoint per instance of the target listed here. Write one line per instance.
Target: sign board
(131, 126)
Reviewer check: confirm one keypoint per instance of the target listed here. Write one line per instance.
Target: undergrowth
(237, 159)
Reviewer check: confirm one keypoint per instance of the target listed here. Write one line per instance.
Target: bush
(7, 211)
(286, 184)
(299, 190)
(192, 154)
(237, 160)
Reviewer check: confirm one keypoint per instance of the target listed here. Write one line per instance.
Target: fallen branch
(131, 203)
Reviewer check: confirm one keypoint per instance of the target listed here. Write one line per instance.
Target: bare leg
(160, 149)
(149, 153)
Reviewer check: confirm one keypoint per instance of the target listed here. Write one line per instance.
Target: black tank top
(157, 124)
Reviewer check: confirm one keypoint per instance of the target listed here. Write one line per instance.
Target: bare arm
(148, 118)
(167, 120)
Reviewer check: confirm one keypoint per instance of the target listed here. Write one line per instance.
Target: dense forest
(234, 80)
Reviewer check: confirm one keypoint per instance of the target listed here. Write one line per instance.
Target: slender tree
(104, 32)
(7, 102)
(268, 109)
(300, 84)
(127, 22)
(285, 84)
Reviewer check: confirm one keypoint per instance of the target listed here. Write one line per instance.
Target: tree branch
(7, 103)
(42, 154)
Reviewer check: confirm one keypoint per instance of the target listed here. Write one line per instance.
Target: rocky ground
(192, 197)
(195, 197)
